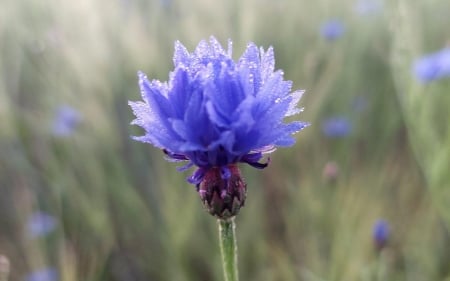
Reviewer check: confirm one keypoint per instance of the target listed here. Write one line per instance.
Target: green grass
(126, 214)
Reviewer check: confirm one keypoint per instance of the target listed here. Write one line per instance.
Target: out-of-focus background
(363, 195)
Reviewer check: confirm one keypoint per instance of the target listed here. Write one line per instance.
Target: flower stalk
(228, 248)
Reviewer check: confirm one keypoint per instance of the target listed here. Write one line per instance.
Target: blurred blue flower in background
(45, 274)
(40, 224)
(433, 66)
(336, 127)
(380, 233)
(332, 29)
(368, 7)
(214, 112)
(65, 121)
(165, 3)
(359, 104)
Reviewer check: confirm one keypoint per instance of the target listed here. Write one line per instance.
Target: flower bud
(330, 172)
(223, 196)
(380, 234)
(4, 268)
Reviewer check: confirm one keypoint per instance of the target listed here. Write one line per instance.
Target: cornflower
(433, 66)
(215, 113)
(332, 29)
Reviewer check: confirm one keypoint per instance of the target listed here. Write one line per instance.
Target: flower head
(380, 233)
(65, 121)
(359, 103)
(215, 112)
(336, 127)
(40, 224)
(332, 29)
(433, 66)
(368, 7)
(44, 274)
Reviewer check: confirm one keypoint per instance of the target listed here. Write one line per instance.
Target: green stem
(228, 249)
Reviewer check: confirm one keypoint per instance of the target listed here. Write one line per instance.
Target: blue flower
(332, 29)
(336, 127)
(380, 233)
(368, 7)
(359, 103)
(45, 274)
(40, 224)
(65, 121)
(215, 112)
(165, 3)
(433, 66)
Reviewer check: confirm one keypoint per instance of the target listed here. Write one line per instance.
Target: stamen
(252, 157)
(185, 167)
(197, 176)
(258, 165)
(174, 157)
(223, 193)
(225, 172)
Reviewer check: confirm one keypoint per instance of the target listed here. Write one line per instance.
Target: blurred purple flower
(40, 224)
(336, 127)
(359, 103)
(65, 121)
(433, 66)
(332, 29)
(368, 7)
(380, 233)
(45, 274)
(165, 3)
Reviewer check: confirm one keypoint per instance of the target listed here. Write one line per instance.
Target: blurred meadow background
(363, 195)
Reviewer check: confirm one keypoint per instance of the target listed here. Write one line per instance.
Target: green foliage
(125, 214)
